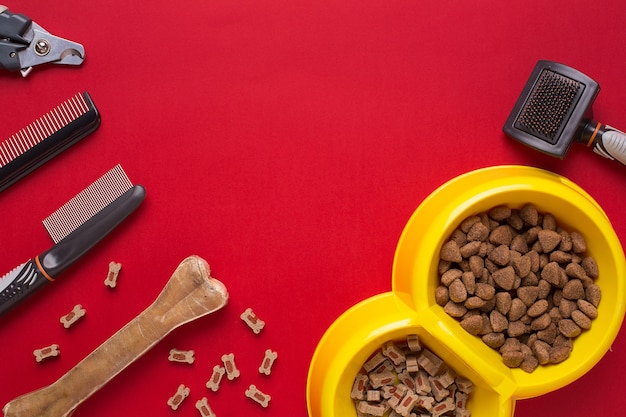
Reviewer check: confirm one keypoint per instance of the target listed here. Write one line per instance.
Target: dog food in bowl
(405, 377)
(521, 283)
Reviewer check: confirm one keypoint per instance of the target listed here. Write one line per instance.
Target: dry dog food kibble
(72, 317)
(404, 379)
(519, 281)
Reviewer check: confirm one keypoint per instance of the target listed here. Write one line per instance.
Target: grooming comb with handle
(46, 137)
(75, 228)
(555, 109)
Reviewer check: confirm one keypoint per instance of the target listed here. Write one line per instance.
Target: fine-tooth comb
(75, 227)
(46, 137)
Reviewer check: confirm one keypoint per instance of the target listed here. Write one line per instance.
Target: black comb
(46, 137)
(555, 109)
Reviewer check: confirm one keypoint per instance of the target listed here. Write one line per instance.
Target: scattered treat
(430, 388)
(251, 319)
(519, 281)
(229, 364)
(255, 394)
(175, 400)
(114, 270)
(218, 373)
(203, 407)
(182, 356)
(268, 361)
(72, 317)
(46, 352)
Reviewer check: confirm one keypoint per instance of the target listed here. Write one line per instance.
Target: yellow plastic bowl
(411, 308)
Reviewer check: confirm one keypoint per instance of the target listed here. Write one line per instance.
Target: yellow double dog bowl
(410, 307)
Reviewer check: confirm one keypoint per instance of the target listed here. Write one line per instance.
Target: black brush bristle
(549, 106)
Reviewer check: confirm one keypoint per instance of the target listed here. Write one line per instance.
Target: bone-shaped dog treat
(190, 293)
(255, 394)
(72, 317)
(181, 393)
(114, 270)
(231, 368)
(186, 356)
(214, 383)
(268, 361)
(46, 352)
(205, 409)
(252, 320)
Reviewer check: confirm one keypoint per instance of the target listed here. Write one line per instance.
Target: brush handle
(606, 141)
(189, 294)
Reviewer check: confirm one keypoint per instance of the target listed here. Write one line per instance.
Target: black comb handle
(605, 140)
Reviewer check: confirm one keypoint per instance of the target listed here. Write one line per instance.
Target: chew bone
(204, 408)
(46, 352)
(216, 377)
(252, 320)
(255, 394)
(181, 393)
(114, 270)
(182, 356)
(189, 294)
(72, 317)
(268, 361)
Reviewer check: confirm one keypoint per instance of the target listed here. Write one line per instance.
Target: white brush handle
(609, 143)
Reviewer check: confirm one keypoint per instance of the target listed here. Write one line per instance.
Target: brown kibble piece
(541, 322)
(549, 239)
(478, 232)
(569, 328)
(470, 249)
(593, 294)
(455, 310)
(548, 222)
(519, 244)
(457, 291)
(516, 329)
(503, 302)
(529, 364)
(552, 273)
(538, 308)
(590, 266)
(559, 354)
(579, 245)
(450, 275)
(500, 255)
(528, 294)
(587, 308)
(518, 309)
(529, 214)
(485, 291)
(498, 321)
(473, 324)
(575, 270)
(500, 213)
(501, 235)
(574, 290)
(441, 295)
(451, 252)
(522, 265)
(505, 278)
(581, 319)
(513, 358)
(494, 340)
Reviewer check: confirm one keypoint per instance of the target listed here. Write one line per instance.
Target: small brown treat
(500, 255)
(590, 266)
(441, 295)
(494, 340)
(485, 291)
(478, 232)
(544, 289)
(541, 322)
(529, 214)
(515, 221)
(528, 295)
(587, 308)
(538, 308)
(518, 309)
(559, 354)
(548, 334)
(593, 294)
(566, 241)
(581, 319)
(500, 213)
(552, 273)
(470, 249)
(522, 265)
(450, 252)
(511, 344)
(469, 280)
(560, 257)
(51, 351)
(542, 351)
(532, 235)
(513, 358)
(505, 278)
(457, 291)
(474, 302)
(516, 329)
(175, 400)
(459, 237)
(443, 266)
(579, 245)
(519, 244)
(430, 362)
(574, 290)
(569, 328)
(555, 315)
(566, 307)
(535, 261)
(503, 302)
(575, 270)
(472, 325)
(498, 321)
(501, 235)
(529, 364)
(467, 224)
(450, 275)
(476, 264)
(455, 310)
(563, 341)
(549, 222)
(549, 239)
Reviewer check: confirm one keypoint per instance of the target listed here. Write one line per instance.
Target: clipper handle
(606, 141)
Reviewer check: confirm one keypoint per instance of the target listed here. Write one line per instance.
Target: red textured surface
(286, 142)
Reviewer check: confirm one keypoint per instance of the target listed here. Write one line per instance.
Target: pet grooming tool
(24, 44)
(555, 109)
(76, 227)
(46, 137)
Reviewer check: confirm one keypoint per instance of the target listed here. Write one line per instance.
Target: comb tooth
(43, 127)
(87, 203)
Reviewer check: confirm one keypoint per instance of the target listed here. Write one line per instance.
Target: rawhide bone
(190, 293)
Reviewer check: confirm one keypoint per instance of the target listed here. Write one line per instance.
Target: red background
(286, 142)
